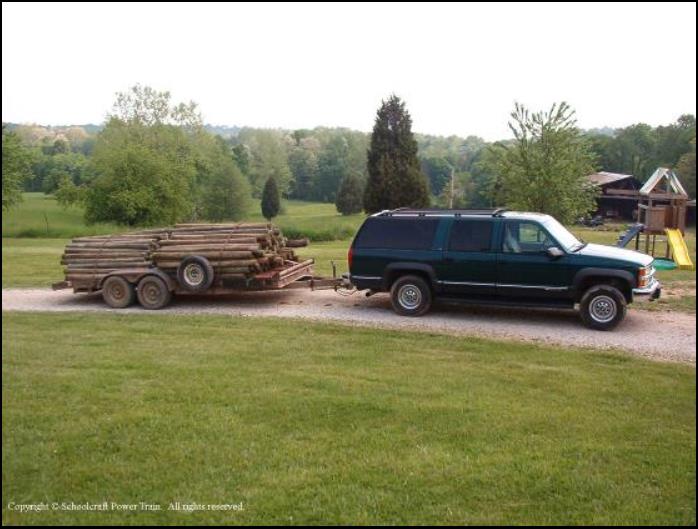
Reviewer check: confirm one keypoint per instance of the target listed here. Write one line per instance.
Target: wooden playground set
(661, 217)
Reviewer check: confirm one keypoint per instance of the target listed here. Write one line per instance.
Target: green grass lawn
(31, 262)
(311, 423)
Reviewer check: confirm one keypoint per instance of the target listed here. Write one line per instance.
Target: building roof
(603, 178)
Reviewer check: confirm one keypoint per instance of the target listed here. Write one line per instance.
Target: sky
(459, 67)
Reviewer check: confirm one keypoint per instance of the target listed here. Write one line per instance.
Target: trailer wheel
(117, 292)
(153, 293)
(195, 273)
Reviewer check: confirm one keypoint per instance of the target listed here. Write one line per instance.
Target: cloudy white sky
(459, 67)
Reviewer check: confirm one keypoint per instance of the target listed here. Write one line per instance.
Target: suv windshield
(562, 235)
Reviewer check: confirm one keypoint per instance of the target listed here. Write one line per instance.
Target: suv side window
(471, 236)
(525, 237)
(397, 233)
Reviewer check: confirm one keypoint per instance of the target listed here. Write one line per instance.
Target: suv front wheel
(410, 296)
(602, 307)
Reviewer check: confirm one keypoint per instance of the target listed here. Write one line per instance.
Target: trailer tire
(117, 292)
(153, 293)
(195, 273)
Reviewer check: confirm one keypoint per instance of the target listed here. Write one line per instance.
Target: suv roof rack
(423, 212)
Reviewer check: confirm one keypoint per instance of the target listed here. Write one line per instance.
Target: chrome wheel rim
(603, 309)
(193, 274)
(409, 297)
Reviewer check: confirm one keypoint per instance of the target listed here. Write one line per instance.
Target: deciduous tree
(686, 169)
(16, 168)
(546, 167)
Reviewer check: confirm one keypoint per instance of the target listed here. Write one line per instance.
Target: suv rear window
(471, 236)
(397, 233)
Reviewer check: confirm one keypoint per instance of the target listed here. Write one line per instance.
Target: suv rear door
(469, 264)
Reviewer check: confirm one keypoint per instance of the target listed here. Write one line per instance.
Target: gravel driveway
(658, 335)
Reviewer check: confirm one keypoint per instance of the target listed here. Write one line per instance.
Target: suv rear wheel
(602, 307)
(410, 296)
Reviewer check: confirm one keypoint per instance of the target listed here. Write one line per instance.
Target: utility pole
(450, 198)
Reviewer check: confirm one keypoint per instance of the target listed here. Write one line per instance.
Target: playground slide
(629, 235)
(679, 250)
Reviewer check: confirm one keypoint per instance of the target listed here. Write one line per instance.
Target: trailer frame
(292, 275)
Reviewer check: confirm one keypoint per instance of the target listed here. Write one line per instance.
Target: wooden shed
(618, 195)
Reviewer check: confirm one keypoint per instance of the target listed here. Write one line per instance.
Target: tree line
(154, 162)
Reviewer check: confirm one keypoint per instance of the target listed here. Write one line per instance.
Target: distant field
(318, 221)
(309, 423)
(40, 216)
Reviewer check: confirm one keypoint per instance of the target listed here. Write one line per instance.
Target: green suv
(495, 257)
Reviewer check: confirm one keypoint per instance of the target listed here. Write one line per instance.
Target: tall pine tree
(395, 177)
(271, 201)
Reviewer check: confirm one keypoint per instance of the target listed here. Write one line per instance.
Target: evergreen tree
(271, 202)
(349, 197)
(395, 178)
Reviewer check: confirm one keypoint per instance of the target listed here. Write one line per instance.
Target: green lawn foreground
(311, 423)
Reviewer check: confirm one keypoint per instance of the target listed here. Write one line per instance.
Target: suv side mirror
(554, 252)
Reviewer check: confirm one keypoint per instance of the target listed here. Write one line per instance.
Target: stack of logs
(236, 251)
(88, 259)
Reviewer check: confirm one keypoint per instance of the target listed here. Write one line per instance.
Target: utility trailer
(154, 288)
(203, 259)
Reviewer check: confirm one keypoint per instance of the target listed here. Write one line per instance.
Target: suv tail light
(350, 256)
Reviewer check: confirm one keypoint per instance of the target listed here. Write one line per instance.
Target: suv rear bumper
(649, 293)
(366, 282)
